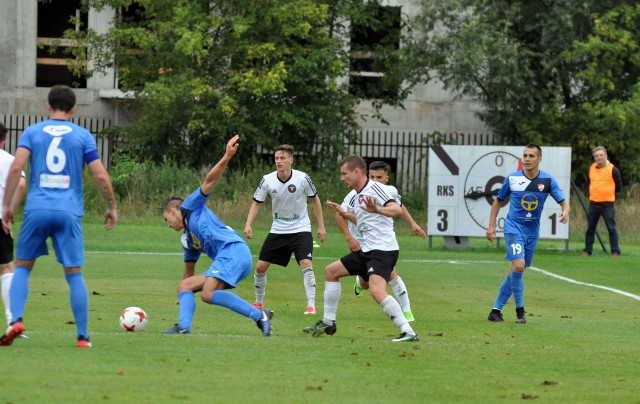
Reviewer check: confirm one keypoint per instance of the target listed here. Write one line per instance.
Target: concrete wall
(430, 108)
(18, 45)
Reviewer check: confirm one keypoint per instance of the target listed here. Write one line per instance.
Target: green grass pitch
(580, 343)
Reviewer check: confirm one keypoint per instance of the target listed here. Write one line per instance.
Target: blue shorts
(520, 247)
(65, 230)
(232, 264)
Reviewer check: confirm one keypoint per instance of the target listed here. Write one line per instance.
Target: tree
(522, 61)
(203, 70)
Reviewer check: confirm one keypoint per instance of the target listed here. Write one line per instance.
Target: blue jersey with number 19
(58, 150)
(528, 196)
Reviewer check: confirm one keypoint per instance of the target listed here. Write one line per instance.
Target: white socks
(392, 309)
(332, 292)
(6, 285)
(400, 292)
(260, 281)
(309, 286)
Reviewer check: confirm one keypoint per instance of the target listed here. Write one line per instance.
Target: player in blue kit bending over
(528, 189)
(205, 232)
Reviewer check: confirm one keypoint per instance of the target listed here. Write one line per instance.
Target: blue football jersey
(527, 198)
(204, 231)
(58, 150)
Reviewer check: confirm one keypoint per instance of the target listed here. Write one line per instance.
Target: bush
(141, 189)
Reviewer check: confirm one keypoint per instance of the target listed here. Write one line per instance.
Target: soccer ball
(133, 319)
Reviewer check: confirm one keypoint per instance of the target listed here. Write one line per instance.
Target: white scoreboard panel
(464, 181)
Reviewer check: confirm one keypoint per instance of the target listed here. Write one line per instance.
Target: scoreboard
(464, 182)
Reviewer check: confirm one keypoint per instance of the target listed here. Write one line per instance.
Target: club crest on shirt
(291, 188)
(540, 187)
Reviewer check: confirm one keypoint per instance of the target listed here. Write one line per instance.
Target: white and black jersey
(288, 201)
(6, 159)
(374, 231)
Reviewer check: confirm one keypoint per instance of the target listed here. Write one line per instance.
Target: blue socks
(79, 300)
(187, 308)
(19, 292)
(517, 287)
(222, 298)
(503, 294)
(512, 284)
(232, 302)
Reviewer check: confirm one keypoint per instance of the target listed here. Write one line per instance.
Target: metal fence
(16, 124)
(405, 151)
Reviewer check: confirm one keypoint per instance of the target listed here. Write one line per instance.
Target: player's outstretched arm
(215, 174)
(106, 189)
(352, 243)
(339, 210)
(415, 228)
(317, 209)
(564, 215)
(253, 212)
(491, 229)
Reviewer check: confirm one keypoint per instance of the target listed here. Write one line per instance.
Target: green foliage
(201, 71)
(561, 73)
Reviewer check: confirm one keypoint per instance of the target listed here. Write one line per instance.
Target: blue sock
(503, 294)
(79, 300)
(517, 287)
(187, 307)
(19, 292)
(230, 301)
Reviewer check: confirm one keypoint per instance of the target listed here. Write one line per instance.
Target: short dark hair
(61, 98)
(287, 148)
(380, 165)
(534, 146)
(354, 161)
(173, 202)
(3, 132)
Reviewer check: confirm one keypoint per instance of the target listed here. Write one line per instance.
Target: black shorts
(6, 248)
(371, 262)
(277, 248)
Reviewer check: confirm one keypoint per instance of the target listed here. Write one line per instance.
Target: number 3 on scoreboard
(443, 224)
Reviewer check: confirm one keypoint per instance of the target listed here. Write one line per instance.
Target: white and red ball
(133, 319)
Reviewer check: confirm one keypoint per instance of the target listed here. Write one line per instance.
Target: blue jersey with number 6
(527, 199)
(58, 150)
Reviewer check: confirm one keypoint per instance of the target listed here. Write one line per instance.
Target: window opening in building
(371, 46)
(54, 18)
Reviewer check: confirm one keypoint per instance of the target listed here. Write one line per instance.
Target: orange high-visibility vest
(602, 187)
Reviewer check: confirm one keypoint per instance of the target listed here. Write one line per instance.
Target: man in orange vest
(605, 182)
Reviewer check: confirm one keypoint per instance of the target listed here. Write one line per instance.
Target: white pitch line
(592, 285)
(425, 261)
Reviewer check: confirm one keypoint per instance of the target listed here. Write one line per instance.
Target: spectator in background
(605, 182)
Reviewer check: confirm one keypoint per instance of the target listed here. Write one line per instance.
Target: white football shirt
(373, 230)
(288, 201)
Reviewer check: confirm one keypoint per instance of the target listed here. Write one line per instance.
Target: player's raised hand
(232, 145)
(370, 205)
